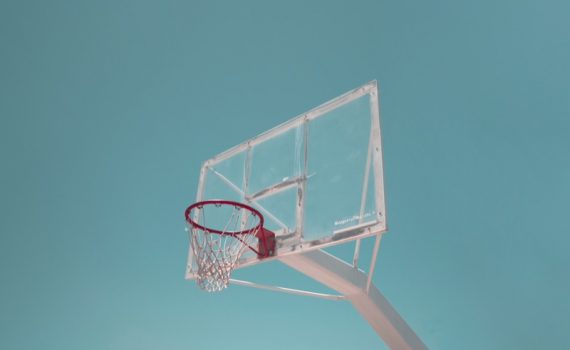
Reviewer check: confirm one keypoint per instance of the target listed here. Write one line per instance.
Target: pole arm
(348, 281)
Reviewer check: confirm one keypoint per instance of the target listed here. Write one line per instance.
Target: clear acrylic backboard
(317, 179)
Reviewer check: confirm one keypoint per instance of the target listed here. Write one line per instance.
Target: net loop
(217, 249)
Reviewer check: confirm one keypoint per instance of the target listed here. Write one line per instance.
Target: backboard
(317, 179)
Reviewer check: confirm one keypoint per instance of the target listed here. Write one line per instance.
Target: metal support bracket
(287, 290)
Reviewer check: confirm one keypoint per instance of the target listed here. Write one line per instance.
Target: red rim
(223, 202)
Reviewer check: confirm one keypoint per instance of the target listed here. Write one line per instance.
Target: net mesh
(217, 254)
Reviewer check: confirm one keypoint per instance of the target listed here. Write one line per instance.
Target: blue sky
(108, 108)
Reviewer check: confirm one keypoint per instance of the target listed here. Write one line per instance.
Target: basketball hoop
(232, 228)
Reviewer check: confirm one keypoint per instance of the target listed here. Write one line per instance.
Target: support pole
(350, 282)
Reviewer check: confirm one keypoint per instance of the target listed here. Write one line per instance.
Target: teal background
(108, 108)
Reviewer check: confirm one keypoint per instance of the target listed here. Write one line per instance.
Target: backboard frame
(289, 243)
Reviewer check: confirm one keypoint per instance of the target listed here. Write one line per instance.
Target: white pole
(348, 281)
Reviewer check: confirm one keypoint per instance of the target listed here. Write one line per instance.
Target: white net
(219, 243)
